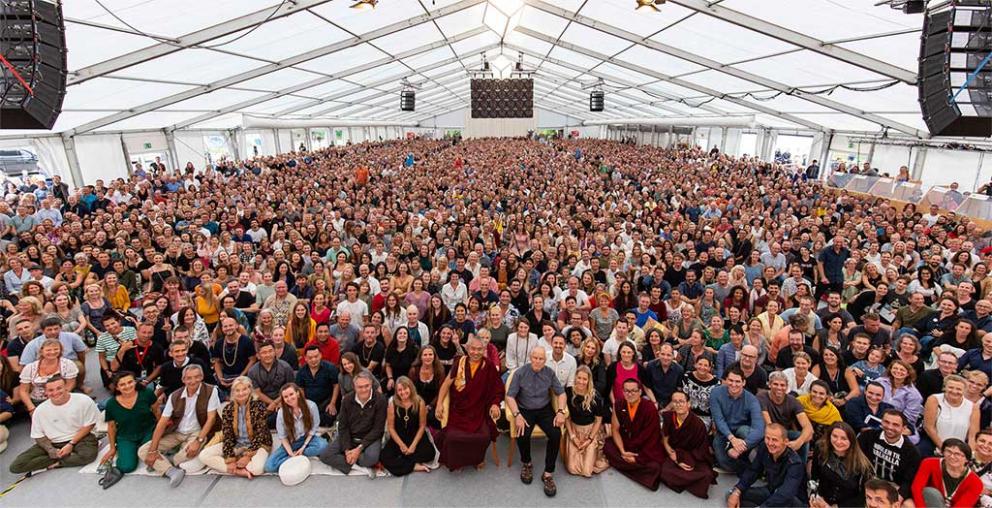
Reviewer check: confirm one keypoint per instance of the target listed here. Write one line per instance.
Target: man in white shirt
(581, 298)
(187, 421)
(62, 431)
(454, 292)
(352, 305)
(364, 275)
(562, 363)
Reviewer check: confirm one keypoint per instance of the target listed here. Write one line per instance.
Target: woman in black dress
(400, 355)
(409, 447)
(427, 375)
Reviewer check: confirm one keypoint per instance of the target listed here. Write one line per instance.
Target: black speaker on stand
(597, 100)
(955, 69)
(408, 100)
(32, 64)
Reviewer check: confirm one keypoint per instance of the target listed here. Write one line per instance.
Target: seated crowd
(670, 313)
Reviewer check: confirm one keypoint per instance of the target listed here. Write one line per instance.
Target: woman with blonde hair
(409, 447)
(246, 440)
(583, 454)
(205, 300)
(27, 307)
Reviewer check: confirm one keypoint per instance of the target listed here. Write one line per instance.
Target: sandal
(550, 489)
(527, 473)
(111, 477)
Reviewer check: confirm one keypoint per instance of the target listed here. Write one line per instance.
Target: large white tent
(191, 80)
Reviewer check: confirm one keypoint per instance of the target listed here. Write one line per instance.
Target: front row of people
(647, 445)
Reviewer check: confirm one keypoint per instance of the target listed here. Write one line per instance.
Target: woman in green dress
(131, 417)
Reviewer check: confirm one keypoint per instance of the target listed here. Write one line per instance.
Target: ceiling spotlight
(364, 4)
(649, 4)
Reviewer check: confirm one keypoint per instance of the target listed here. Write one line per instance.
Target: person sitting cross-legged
(636, 449)
(187, 422)
(361, 424)
(738, 421)
(296, 427)
(246, 437)
(62, 431)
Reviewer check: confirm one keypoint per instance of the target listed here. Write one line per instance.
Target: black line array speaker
(503, 98)
(408, 100)
(956, 39)
(597, 100)
(32, 42)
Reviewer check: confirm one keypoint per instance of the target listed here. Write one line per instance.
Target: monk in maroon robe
(690, 458)
(474, 389)
(636, 449)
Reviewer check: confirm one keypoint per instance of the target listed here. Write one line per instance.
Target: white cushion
(294, 471)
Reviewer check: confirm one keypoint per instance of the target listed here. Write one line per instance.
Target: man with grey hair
(777, 406)
(361, 423)
(187, 421)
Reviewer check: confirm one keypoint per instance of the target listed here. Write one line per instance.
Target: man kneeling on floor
(187, 423)
(62, 431)
(361, 424)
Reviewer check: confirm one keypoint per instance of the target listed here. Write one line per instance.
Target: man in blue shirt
(737, 417)
(783, 470)
(643, 310)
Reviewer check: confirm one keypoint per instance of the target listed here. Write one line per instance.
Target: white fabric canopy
(175, 64)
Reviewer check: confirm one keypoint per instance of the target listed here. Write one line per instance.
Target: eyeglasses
(633, 391)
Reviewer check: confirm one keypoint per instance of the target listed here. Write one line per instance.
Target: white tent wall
(285, 140)
(888, 158)
(101, 157)
(497, 127)
(942, 167)
(190, 147)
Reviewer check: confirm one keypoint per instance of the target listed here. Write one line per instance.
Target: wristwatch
(516, 414)
(200, 439)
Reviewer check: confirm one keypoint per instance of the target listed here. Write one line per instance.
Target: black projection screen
(503, 98)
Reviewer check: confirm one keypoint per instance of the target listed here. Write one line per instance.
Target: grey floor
(494, 486)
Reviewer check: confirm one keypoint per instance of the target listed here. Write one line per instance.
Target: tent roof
(172, 64)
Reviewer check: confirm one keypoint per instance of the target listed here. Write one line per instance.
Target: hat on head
(295, 470)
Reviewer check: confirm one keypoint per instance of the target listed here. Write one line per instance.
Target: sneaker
(175, 476)
(721, 470)
(527, 473)
(550, 489)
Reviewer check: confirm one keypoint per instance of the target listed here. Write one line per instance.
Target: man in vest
(187, 423)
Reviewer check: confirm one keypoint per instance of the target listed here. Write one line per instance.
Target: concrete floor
(494, 486)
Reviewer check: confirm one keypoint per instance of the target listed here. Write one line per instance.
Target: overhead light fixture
(649, 4)
(364, 4)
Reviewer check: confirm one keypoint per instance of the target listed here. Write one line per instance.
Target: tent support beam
(717, 66)
(190, 40)
(657, 75)
(795, 38)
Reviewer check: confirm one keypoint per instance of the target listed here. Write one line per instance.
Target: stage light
(364, 4)
(649, 4)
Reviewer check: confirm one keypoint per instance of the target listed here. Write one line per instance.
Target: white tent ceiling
(321, 59)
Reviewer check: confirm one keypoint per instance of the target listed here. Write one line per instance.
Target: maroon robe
(470, 430)
(641, 436)
(692, 448)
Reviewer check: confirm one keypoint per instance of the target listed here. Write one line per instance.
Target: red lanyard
(141, 355)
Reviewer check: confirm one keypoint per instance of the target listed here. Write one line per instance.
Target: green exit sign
(148, 146)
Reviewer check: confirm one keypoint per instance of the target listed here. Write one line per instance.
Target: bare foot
(480, 466)
(422, 468)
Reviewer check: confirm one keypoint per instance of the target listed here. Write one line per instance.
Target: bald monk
(474, 390)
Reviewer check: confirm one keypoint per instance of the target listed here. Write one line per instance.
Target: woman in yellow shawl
(818, 407)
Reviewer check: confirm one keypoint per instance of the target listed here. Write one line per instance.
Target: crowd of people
(674, 314)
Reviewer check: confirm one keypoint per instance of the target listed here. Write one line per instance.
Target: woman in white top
(949, 414)
(799, 376)
(35, 374)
